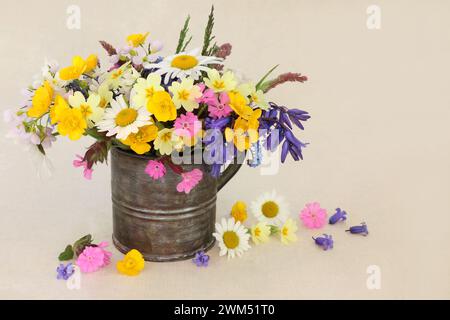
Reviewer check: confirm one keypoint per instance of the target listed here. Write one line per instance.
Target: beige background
(379, 135)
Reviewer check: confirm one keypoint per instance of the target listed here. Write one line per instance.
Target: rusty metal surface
(152, 217)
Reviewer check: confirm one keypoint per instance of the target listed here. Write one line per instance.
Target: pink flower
(208, 95)
(107, 254)
(187, 125)
(94, 257)
(219, 108)
(155, 169)
(82, 163)
(313, 216)
(190, 180)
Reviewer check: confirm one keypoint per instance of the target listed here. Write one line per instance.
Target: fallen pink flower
(190, 180)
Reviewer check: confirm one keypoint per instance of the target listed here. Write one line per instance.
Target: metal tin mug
(153, 217)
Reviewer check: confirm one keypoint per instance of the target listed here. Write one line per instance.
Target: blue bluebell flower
(362, 229)
(201, 259)
(65, 272)
(339, 215)
(279, 120)
(326, 242)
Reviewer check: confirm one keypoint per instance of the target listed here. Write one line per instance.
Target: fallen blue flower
(326, 242)
(201, 259)
(340, 215)
(362, 229)
(65, 272)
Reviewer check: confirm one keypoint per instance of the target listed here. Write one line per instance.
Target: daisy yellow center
(231, 239)
(270, 209)
(184, 62)
(126, 117)
(257, 232)
(86, 110)
(183, 95)
(285, 231)
(219, 84)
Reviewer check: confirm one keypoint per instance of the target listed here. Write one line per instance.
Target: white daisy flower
(271, 208)
(232, 237)
(184, 64)
(121, 119)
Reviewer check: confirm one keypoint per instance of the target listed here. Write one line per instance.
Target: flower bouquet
(178, 127)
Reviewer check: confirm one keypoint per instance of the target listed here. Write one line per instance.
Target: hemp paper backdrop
(379, 147)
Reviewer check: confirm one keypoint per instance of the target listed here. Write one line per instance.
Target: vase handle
(229, 173)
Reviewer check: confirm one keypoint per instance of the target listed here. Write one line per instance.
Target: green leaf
(258, 85)
(181, 45)
(81, 243)
(208, 37)
(67, 254)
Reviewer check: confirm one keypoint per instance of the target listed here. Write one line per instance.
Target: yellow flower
(245, 132)
(239, 105)
(239, 211)
(57, 109)
(41, 101)
(137, 39)
(71, 123)
(257, 97)
(260, 232)
(105, 95)
(132, 264)
(78, 67)
(91, 63)
(162, 106)
(90, 108)
(287, 231)
(144, 89)
(185, 94)
(219, 83)
(166, 141)
(139, 141)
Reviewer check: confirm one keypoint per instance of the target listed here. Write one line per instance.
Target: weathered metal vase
(153, 217)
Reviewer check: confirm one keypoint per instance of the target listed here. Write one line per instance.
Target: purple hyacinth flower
(201, 259)
(362, 229)
(64, 272)
(340, 215)
(326, 242)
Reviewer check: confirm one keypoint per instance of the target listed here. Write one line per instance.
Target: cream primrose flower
(118, 77)
(218, 83)
(167, 141)
(185, 94)
(90, 108)
(121, 119)
(260, 232)
(254, 97)
(232, 237)
(105, 95)
(185, 64)
(144, 88)
(288, 230)
(270, 208)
